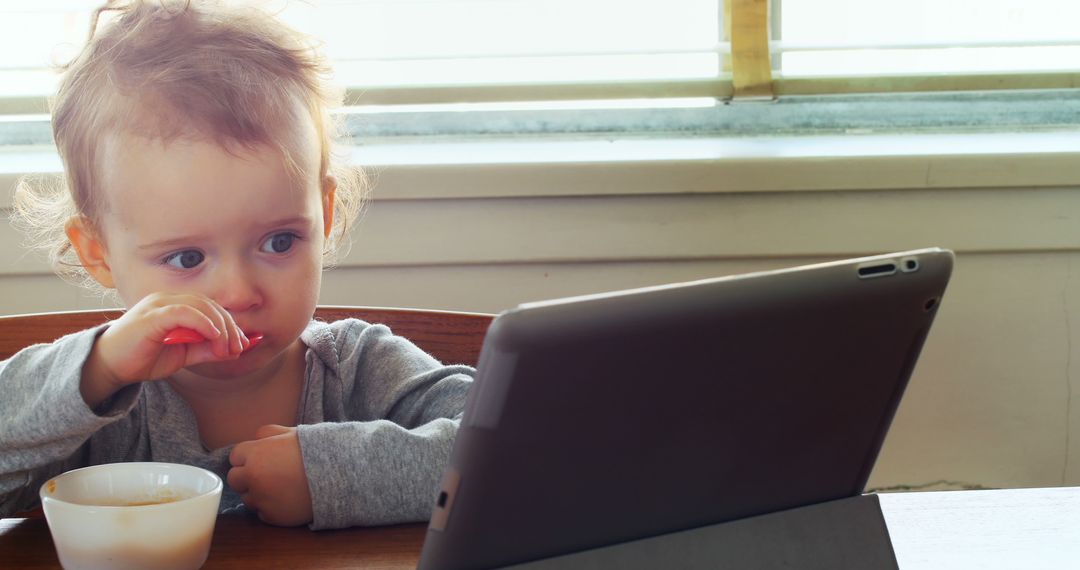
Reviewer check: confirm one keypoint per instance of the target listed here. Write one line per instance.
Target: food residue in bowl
(155, 497)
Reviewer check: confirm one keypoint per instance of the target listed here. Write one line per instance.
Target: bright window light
(375, 43)
(884, 37)
(439, 43)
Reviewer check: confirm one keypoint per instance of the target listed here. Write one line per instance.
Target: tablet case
(845, 534)
(613, 418)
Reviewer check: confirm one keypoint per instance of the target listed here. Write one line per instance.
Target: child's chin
(226, 369)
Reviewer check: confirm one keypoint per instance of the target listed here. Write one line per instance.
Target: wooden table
(1016, 528)
(242, 541)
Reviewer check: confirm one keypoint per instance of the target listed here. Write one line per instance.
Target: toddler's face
(188, 216)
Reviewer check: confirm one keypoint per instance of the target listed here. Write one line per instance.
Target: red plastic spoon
(183, 335)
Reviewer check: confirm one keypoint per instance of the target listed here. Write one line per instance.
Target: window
(882, 37)
(405, 47)
(511, 58)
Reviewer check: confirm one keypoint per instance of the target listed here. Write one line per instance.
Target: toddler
(200, 187)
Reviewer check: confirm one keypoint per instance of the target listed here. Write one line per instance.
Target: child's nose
(236, 290)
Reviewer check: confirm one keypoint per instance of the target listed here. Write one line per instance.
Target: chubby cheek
(126, 296)
(132, 285)
(299, 296)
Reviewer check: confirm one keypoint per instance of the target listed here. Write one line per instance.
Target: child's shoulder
(335, 335)
(333, 331)
(351, 342)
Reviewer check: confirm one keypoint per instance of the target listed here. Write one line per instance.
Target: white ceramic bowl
(132, 515)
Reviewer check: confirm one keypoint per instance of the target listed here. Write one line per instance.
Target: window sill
(425, 169)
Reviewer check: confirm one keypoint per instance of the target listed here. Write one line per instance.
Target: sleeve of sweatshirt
(45, 425)
(401, 410)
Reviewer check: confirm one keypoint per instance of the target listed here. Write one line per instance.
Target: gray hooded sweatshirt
(376, 423)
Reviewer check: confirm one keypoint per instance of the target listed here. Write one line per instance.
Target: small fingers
(226, 339)
(236, 341)
(222, 345)
(238, 481)
(199, 313)
(249, 502)
(270, 430)
(223, 324)
(238, 455)
(260, 509)
(177, 316)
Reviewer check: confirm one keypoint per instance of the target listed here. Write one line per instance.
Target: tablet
(607, 418)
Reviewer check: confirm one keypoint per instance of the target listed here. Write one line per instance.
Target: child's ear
(90, 249)
(329, 187)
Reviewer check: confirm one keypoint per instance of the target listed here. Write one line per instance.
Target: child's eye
(186, 259)
(278, 243)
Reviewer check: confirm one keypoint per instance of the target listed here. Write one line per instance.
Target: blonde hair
(175, 68)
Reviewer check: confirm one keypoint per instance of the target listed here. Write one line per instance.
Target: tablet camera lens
(930, 304)
(909, 264)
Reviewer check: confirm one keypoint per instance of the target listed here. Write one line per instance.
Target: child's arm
(379, 421)
(44, 423)
(57, 397)
(374, 473)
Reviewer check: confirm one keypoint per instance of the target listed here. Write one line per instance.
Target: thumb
(270, 430)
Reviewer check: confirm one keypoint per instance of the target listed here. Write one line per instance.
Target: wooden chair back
(451, 337)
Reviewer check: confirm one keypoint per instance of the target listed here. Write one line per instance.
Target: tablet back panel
(604, 419)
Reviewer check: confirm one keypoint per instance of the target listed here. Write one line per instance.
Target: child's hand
(268, 472)
(131, 349)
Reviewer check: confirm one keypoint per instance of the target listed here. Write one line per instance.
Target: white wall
(991, 400)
